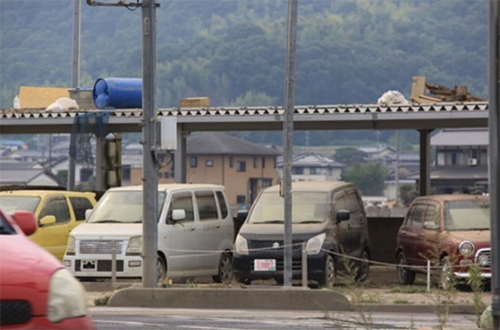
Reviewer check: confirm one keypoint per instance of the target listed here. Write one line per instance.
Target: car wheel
(405, 275)
(446, 276)
(225, 274)
(364, 267)
(161, 270)
(327, 279)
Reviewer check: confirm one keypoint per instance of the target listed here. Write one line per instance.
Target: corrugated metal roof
(461, 137)
(223, 144)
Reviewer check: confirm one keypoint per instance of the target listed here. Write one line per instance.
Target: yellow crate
(195, 102)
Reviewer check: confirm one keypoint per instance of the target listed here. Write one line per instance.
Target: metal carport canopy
(313, 117)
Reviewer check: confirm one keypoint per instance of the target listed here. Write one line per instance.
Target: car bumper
(42, 323)
(98, 266)
(244, 265)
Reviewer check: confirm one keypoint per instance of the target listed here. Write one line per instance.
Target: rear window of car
(16, 203)
(467, 215)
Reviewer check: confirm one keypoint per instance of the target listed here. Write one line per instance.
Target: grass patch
(102, 301)
(401, 301)
(409, 289)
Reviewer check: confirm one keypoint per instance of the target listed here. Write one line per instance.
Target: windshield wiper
(271, 221)
(107, 221)
(309, 221)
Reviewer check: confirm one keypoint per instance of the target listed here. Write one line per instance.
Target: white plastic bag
(392, 97)
(63, 104)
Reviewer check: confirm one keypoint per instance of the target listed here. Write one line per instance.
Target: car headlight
(67, 297)
(70, 248)
(315, 243)
(134, 247)
(466, 248)
(241, 245)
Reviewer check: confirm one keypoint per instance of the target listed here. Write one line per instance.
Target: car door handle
(403, 233)
(192, 229)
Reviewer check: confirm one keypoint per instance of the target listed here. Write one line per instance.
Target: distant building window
(126, 172)
(254, 161)
(263, 162)
(274, 165)
(297, 170)
(240, 199)
(231, 161)
(313, 170)
(209, 163)
(241, 166)
(194, 161)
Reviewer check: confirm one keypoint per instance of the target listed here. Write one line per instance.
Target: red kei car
(452, 231)
(36, 291)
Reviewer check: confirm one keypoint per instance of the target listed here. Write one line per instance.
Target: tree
(349, 155)
(407, 193)
(369, 177)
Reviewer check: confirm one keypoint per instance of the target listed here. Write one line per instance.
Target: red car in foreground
(36, 291)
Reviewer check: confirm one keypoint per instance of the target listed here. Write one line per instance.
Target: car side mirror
(47, 220)
(87, 213)
(179, 214)
(343, 215)
(25, 220)
(430, 225)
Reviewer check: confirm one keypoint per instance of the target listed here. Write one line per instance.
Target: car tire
(327, 279)
(446, 275)
(363, 267)
(161, 270)
(225, 272)
(405, 275)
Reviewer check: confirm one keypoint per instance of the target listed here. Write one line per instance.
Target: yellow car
(57, 212)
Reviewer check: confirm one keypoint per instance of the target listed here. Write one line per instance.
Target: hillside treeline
(233, 51)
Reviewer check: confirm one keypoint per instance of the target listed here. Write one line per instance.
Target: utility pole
(494, 182)
(288, 137)
(75, 78)
(149, 137)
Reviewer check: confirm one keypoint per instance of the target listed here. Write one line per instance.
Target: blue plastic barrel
(118, 93)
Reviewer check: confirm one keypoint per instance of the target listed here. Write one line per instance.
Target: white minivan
(195, 234)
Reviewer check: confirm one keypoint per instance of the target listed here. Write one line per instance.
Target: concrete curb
(269, 299)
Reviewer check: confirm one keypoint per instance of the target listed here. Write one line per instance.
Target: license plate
(265, 265)
(89, 265)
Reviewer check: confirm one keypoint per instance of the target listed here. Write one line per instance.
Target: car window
(415, 216)
(182, 201)
(58, 207)
(222, 204)
(15, 203)
(432, 215)
(339, 202)
(5, 227)
(207, 207)
(467, 215)
(351, 202)
(80, 205)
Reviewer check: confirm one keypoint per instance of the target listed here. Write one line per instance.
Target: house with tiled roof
(461, 161)
(243, 167)
(312, 166)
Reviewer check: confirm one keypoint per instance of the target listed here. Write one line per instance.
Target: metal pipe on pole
(75, 79)
(494, 181)
(288, 137)
(149, 140)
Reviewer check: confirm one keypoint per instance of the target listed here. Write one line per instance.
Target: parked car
(328, 216)
(452, 231)
(195, 234)
(57, 213)
(37, 292)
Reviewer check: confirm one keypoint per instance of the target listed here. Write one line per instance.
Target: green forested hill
(348, 51)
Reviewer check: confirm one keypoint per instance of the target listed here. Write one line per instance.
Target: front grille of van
(273, 245)
(102, 265)
(14, 312)
(484, 253)
(100, 247)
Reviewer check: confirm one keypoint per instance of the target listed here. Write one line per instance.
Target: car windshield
(122, 207)
(467, 215)
(307, 207)
(17, 203)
